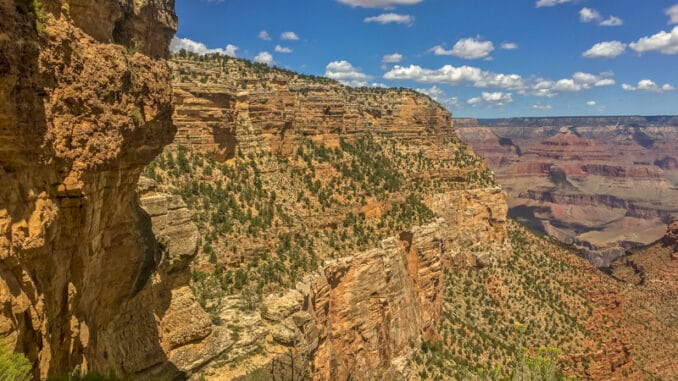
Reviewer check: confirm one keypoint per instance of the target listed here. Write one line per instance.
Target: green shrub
(13, 366)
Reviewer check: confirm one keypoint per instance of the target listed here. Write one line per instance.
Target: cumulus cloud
(264, 57)
(378, 3)
(290, 36)
(497, 98)
(607, 49)
(648, 86)
(433, 91)
(591, 103)
(467, 48)
(539, 106)
(578, 82)
(198, 47)
(672, 12)
(473, 76)
(588, 15)
(392, 58)
(551, 3)
(612, 21)
(282, 49)
(452, 75)
(344, 72)
(439, 96)
(509, 46)
(263, 35)
(390, 18)
(662, 42)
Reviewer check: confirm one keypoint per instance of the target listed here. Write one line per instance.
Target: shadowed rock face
(85, 104)
(603, 184)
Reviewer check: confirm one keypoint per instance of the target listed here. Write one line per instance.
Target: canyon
(203, 217)
(605, 185)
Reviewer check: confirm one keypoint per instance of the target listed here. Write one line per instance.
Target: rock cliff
(85, 104)
(349, 234)
(374, 179)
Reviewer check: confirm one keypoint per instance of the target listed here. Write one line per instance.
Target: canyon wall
(362, 313)
(85, 104)
(603, 184)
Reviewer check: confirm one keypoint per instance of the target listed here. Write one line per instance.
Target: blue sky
(479, 58)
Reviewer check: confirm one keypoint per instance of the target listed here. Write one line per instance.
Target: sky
(478, 58)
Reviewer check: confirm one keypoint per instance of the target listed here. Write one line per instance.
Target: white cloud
(389, 18)
(467, 48)
(612, 21)
(282, 49)
(263, 35)
(432, 92)
(290, 36)
(663, 42)
(439, 96)
(346, 73)
(551, 3)
(264, 57)
(494, 99)
(579, 82)
(591, 103)
(648, 86)
(392, 58)
(198, 47)
(451, 75)
(588, 15)
(539, 106)
(509, 46)
(672, 12)
(479, 78)
(378, 3)
(607, 49)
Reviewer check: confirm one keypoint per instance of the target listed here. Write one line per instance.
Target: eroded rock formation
(85, 104)
(603, 184)
(366, 312)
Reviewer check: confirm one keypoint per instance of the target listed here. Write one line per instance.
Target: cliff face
(602, 184)
(375, 179)
(85, 104)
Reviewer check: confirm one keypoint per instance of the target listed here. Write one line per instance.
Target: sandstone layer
(603, 184)
(85, 104)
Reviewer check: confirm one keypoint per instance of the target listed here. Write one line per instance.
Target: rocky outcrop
(85, 104)
(222, 112)
(604, 184)
(363, 314)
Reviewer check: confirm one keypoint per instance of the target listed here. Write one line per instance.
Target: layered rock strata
(364, 314)
(85, 104)
(603, 184)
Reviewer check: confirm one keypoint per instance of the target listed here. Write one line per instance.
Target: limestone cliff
(85, 104)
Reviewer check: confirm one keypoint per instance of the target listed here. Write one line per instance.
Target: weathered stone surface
(279, 307)
(88, 278)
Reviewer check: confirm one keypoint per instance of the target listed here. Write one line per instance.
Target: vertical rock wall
(85, 104)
